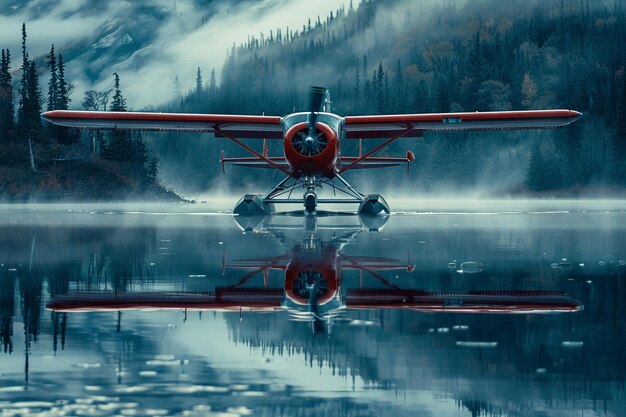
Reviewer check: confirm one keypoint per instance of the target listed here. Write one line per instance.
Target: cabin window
(451, 120)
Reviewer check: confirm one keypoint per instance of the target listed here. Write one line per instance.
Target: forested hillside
(377, 56)
(41, 162)
(387, 56)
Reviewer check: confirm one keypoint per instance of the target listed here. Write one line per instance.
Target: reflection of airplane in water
(313, 289)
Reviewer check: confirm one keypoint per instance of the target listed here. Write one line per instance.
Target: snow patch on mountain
(116, 38)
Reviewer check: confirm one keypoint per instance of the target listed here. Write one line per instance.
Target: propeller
(312, 141)
(316, 104)
(309, 145)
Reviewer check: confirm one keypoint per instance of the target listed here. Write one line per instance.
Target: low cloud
(207, 46)
(65, 23)
(189, 38)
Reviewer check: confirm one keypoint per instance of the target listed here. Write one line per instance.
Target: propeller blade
(316, 102)
(318, 94)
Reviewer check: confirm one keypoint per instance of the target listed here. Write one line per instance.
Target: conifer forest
(376, 57)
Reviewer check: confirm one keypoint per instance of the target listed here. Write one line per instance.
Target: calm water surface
(511, 310)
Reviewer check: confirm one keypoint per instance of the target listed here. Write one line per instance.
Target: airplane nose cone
(309, 140)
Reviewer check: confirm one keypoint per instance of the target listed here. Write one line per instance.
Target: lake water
(466, 309)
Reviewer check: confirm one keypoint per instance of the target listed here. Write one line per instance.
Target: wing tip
(575, 115)
(46, 115)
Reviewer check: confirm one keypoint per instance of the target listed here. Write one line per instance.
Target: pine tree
(7, 311)
(139, 158)
(212, 83)
(153, 169)
(476, 68)
(535, 174)
(61, 102)
(53, 85)
(6, 95)
(34, 97)
(421, 98)
(544, 171)
(177, 89)
(399, 101)
(30, 94)
(357, 87)
(198, 81)
(380, 89)
(120, 146)
(442, 95)
(119, 102)
(23, 101)
(63, 88)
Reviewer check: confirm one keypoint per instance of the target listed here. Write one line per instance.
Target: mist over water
(149, 340)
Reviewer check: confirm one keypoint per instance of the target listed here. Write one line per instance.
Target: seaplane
(316, 288)
(312, 144)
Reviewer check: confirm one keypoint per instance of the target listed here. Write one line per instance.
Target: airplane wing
(244, 126)
(383, 126)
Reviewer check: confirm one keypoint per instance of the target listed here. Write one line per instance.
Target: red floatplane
(312, 141)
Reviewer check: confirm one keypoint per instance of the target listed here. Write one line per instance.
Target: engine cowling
(300, 281)
(310, 155)
(312, 272)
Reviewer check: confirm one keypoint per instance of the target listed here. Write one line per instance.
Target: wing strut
(376, 149)
(252, 151)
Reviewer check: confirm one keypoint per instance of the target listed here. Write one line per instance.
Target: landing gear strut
(255, 204)
(310, 198)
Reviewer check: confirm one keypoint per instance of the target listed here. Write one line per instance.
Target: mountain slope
(149, 43)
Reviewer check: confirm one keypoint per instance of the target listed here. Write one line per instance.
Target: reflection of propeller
(312, 141)
(312, 285)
